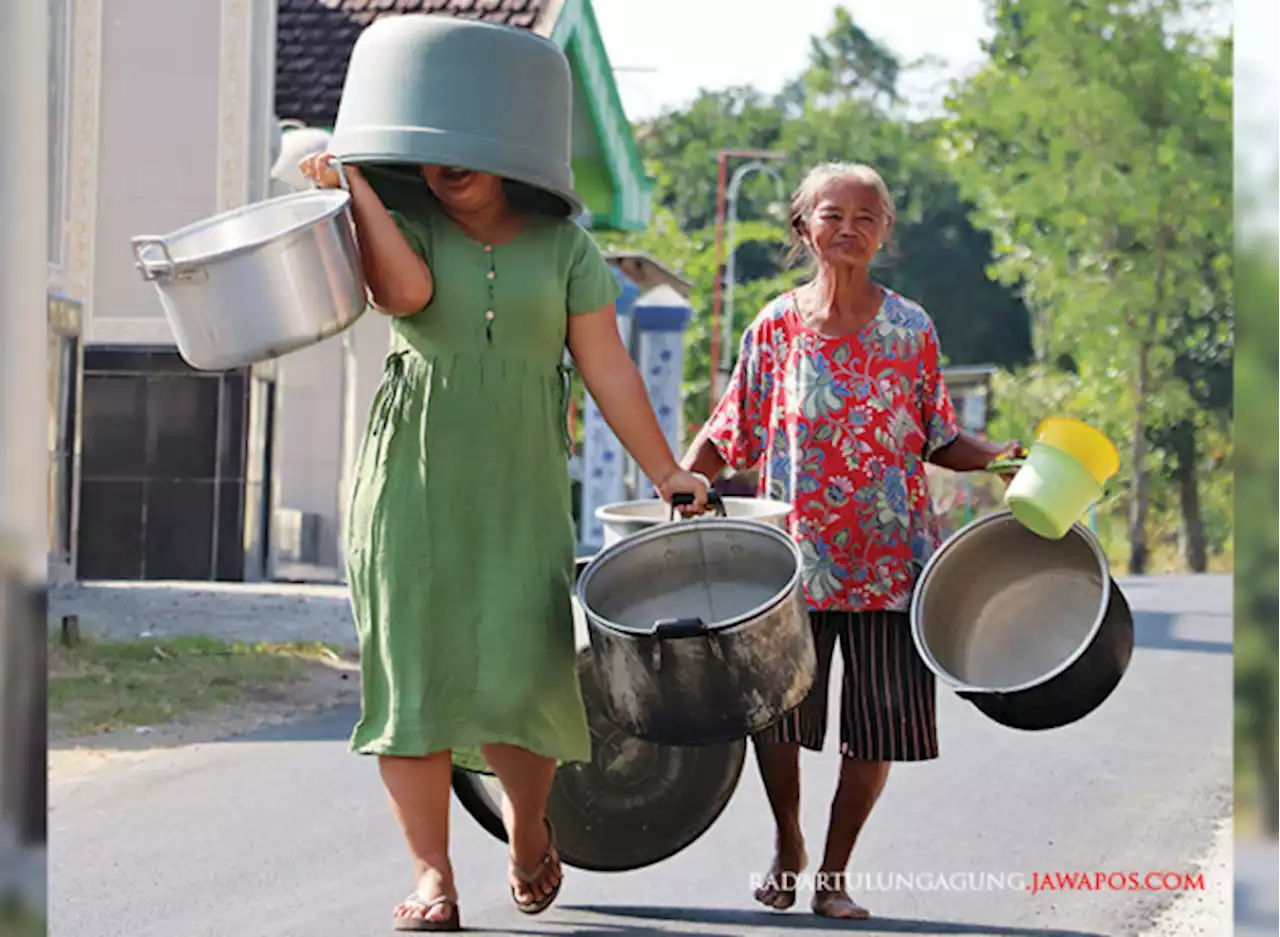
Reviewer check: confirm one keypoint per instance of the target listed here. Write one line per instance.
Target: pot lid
(635, 803)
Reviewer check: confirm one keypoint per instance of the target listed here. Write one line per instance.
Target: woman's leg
(886, 715)
(856, 793)
(778, 758)
(419, 792)
(526, 780)
(779, 764)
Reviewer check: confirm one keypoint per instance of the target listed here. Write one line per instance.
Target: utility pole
(24, 415)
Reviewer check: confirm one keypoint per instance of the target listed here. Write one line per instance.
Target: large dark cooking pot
(1034, 632)
(699, 630)
(635, 803)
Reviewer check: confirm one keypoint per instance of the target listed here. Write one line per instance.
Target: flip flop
(539, 905)
(423, 905)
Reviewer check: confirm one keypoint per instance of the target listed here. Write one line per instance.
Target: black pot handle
(684, 499)
(971, 696)
(679, 627)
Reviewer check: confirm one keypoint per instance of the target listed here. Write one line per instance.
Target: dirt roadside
(324, 684)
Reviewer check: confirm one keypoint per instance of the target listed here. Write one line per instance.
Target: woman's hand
(688, 483)
(1010, 450)
(323, 171)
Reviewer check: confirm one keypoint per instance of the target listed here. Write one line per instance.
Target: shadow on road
(778, 923)
(1155, 630)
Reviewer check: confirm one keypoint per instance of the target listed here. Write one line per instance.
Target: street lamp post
(722, 183)
(731, 268)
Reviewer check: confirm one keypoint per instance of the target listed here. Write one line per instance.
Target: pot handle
(153, 270)
(683, 499)
(342, 174)
(679, 627)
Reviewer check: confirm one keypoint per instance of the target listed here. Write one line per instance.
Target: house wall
(158, 152)
(169, 124)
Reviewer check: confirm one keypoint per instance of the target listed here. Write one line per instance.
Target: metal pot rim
(704, 525)
(341, 200)
(606, 511)
(960, 685)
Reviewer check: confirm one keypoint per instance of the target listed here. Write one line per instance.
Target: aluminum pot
(401, 105)
(630, 517)
(258, 282)
(635, 803)
(699, 630)
(1033, 632)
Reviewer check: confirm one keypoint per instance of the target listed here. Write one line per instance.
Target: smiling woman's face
(461, 189)
(848, 222)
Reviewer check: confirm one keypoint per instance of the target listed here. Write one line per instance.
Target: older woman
(839, 397)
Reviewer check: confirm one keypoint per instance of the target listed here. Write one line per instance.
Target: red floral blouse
(841, 428)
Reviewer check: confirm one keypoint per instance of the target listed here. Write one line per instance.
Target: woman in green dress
(460, 546)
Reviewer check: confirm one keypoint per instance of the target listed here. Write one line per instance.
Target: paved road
(284, 834)
(1257, 908)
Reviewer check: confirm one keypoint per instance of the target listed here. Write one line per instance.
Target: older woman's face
(848, 222)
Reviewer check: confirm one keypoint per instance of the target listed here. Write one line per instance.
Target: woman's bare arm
(703, 457)
(399, 280)
(968, 453)
(618, 389)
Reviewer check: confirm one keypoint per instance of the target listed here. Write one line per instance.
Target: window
(59, 125)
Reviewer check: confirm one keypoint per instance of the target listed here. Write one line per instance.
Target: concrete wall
(158, 149)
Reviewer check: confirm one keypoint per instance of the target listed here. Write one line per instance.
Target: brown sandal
(410, 922)
(538, 905)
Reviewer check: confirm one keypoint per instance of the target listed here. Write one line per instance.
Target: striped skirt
(887, 693)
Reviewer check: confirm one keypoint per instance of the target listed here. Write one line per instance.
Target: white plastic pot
(631, 517)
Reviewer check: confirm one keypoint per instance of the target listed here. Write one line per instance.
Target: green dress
(460, 543)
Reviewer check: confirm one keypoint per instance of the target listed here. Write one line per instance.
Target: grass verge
(97, 687)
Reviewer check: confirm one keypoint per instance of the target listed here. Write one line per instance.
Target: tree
(1093, 143)
(837, 111)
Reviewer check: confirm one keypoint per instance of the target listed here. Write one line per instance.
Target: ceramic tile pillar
(603, 458)
(661, 317)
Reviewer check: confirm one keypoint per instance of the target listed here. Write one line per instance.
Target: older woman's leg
(779, 764)
(886, 715)
(526, 780)
(857, 792)
(419, 792)
(778, 758)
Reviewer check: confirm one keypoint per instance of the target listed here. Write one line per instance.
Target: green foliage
(1097, 145)
(1257, 586)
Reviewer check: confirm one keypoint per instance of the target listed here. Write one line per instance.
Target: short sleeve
(938, 414)
(592, 284)
(739, 425)
(414, 232)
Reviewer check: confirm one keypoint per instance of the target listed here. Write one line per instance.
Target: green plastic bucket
(1051, 491)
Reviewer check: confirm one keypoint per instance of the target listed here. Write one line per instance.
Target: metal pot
(1034, 632)
(699, 630)
(258, 282)
(631, 517)
(635, 803)
(401, 105)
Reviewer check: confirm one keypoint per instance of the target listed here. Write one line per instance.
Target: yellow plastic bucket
(1061, 477)
(1084, 443)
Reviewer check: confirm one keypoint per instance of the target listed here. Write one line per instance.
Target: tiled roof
(314, 39)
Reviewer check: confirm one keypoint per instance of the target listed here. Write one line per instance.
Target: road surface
(285, 834)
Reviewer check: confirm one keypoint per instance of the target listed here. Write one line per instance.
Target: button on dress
(459, 535)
